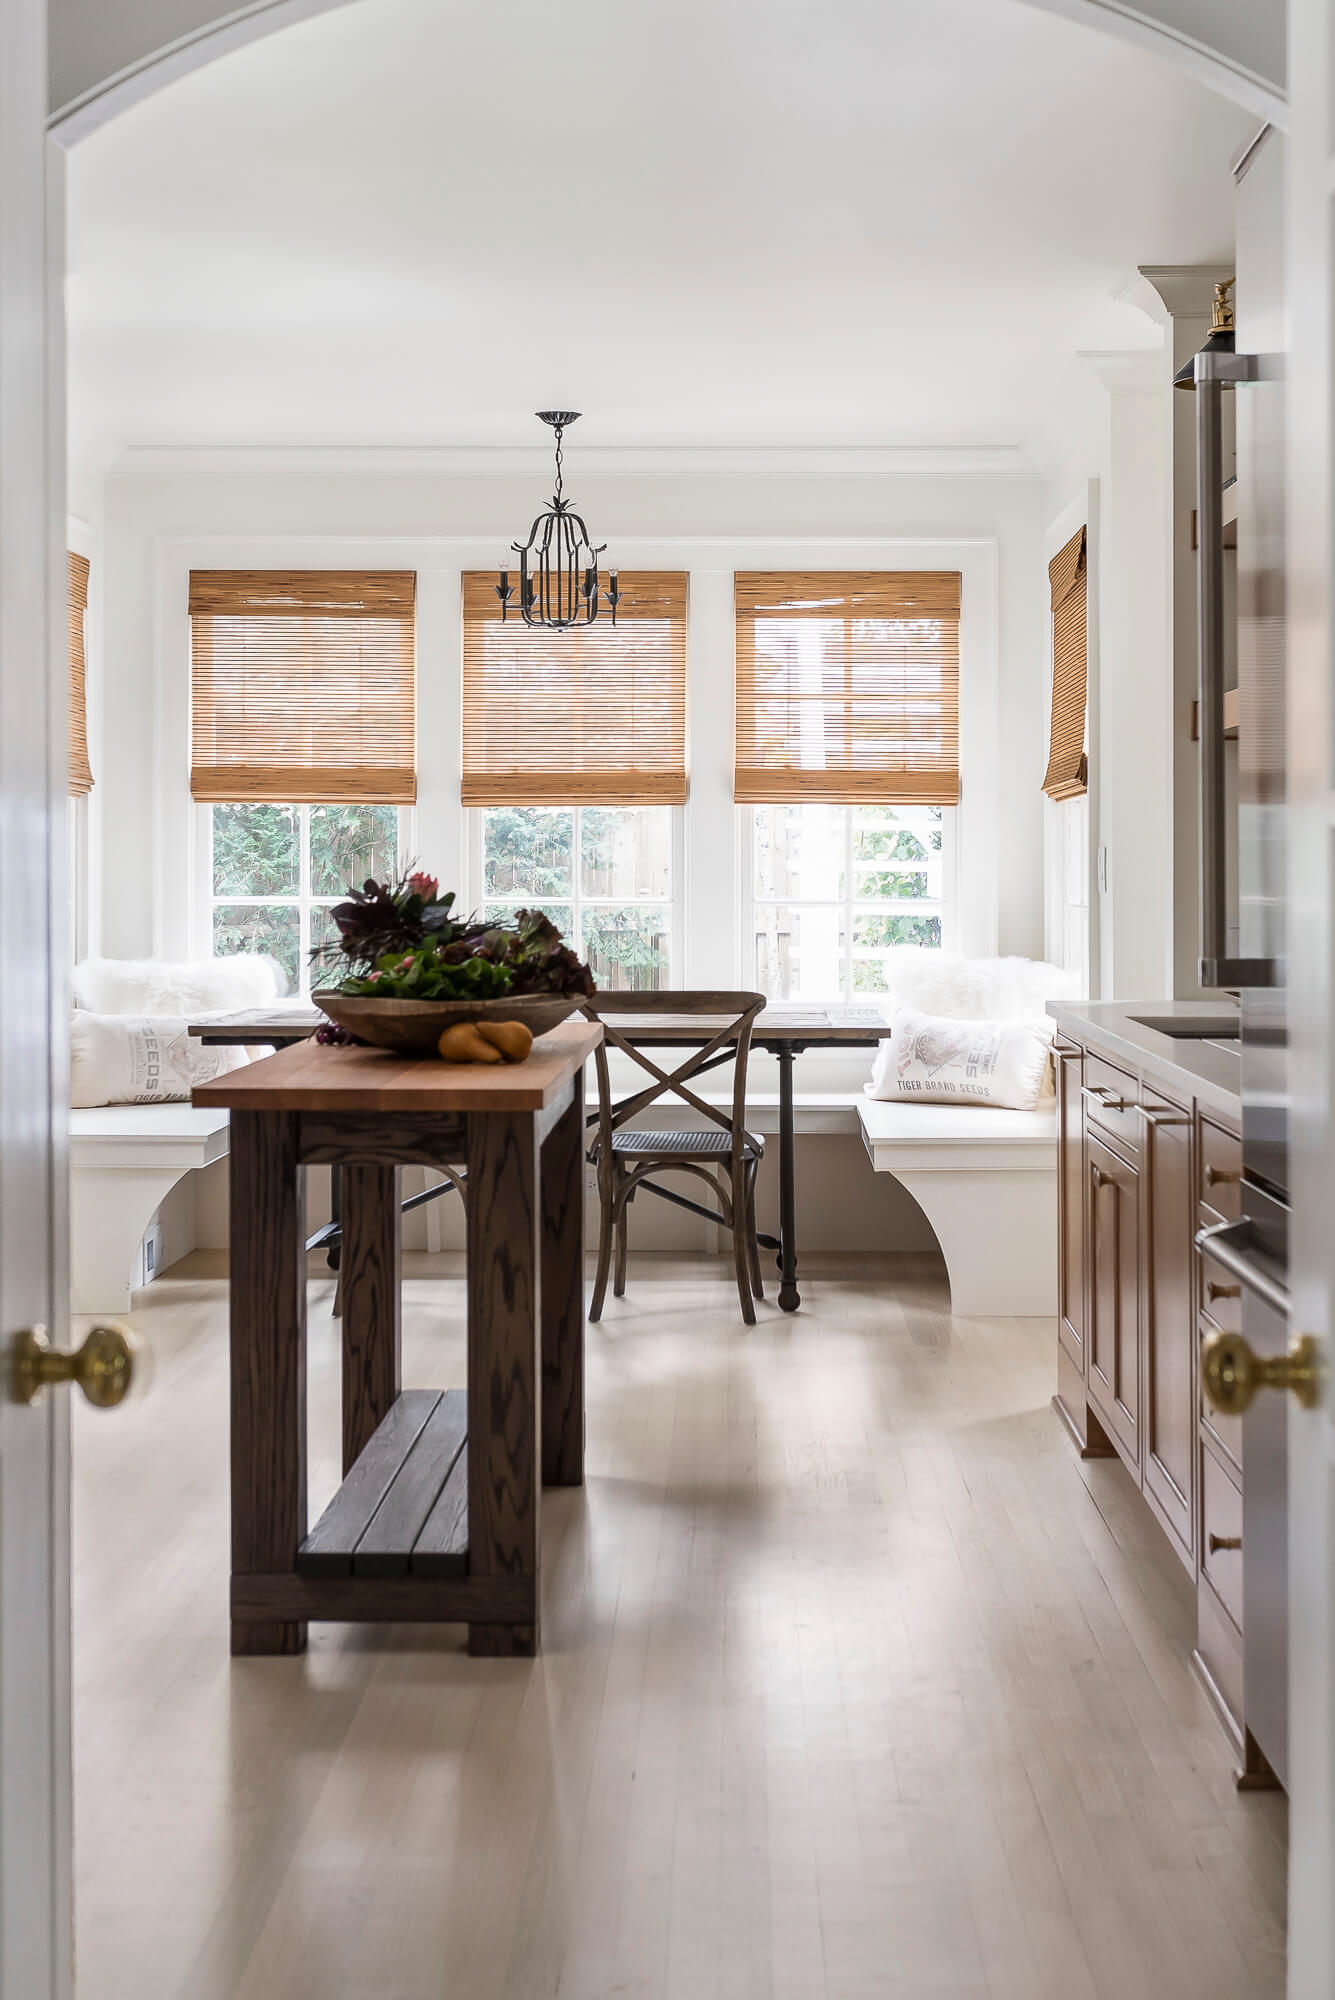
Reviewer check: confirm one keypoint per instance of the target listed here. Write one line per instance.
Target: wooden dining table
(437, 1518)
(786, 1032)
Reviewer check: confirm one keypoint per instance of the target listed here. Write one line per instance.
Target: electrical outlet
(152, 1252)
(1103, 871)
(590, 1180)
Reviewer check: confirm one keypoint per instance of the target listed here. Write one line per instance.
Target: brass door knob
(1231, 1373)
(104, 1367)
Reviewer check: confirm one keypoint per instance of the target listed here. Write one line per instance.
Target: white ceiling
(742, 222)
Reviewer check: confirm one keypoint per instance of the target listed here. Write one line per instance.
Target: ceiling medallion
(558, 564)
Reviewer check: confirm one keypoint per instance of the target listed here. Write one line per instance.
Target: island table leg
(268, 1354)
(563, 1295)
(504, 1379)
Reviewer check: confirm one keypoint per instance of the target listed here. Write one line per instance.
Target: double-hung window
(847, 738)
(574, 758)
(302, 746)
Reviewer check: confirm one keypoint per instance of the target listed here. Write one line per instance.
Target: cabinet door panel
(1112, 1237)
(1071, 1206)
(1168, 1421)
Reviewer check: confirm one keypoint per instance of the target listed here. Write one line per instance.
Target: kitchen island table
(437, 1516)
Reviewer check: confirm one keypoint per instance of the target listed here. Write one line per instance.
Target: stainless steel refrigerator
(1243, 903)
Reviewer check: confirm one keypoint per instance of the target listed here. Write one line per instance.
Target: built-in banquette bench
(124, 1161)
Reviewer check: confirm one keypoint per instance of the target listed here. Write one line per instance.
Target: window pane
(271, 927)
(799, 952)
(875, 884)
(799, 851)
(348, 843)
(896, 833)
(628, 948)
(255, 850)
(874, 935)
(528, 852)
(626, 851)
(561, 914)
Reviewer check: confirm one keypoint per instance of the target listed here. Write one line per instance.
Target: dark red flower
(424, 885)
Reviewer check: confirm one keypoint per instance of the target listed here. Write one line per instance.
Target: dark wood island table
(437, 1516)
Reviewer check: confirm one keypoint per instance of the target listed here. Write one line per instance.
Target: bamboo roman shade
(303, 686)
(1067, 771)
(848, 687)
(593, 715)
(80, 775)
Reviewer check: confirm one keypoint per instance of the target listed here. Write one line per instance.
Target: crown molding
(1175, 291)
(607, 462)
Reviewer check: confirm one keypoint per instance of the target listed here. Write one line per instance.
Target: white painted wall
(1117, 467)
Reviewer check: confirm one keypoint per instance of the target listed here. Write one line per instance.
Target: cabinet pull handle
(1218, 1542)
(1222, 1176)
(1096, 1176)
(1156, 1118)
(1105, 1099)
(1214, 1291)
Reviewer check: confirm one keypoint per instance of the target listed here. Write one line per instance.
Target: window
(274, 870)
(837, 889)
(603, 874)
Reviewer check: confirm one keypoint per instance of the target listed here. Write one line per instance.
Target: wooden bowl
(415, 1026)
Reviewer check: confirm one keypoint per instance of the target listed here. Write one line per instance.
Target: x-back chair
(721, 1152)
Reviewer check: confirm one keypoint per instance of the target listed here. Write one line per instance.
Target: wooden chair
(722, 1152)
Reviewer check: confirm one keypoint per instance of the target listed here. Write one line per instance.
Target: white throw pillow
(132, 1059)
(974, 989)
(162, 989)
(932, 1059)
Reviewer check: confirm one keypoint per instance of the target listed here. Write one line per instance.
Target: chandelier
(558, 564)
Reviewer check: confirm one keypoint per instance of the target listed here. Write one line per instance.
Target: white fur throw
(127, 1059)
(976, 989)
(160, 989)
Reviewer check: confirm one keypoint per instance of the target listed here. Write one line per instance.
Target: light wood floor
(855, 1683)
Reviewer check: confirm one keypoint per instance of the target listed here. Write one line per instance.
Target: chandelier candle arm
(558, 564)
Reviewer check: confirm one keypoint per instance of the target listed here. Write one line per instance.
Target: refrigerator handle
(1214, 372)
(1226, 1244)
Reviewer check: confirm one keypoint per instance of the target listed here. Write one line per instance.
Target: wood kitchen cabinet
(1142, 1167)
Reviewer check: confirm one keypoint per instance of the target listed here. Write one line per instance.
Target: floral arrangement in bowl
(411, 968)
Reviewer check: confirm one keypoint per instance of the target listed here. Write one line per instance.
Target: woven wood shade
(80, 774)
(1067, 772)
(303, 686)
(592, 716)
(847, 687)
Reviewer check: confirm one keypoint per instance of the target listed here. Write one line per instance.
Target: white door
(35, 1845)
(1311, 989)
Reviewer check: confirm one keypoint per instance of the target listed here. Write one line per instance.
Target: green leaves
(425, 975)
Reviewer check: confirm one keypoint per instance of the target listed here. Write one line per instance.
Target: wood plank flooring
(855, 1683)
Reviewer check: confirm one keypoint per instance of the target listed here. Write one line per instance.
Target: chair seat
(700, 1143)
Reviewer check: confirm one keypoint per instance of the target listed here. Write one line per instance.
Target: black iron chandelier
(558, 564)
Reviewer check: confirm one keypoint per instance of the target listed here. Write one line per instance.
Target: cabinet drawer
(1111, 1100)
(1221, 1536)
(1221, 1171)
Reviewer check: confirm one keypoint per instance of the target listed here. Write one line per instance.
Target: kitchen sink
(1192, 1027)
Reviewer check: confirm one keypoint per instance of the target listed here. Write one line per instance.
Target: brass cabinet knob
(1218, 1542)
(1231, 1373)
(104, 1367)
